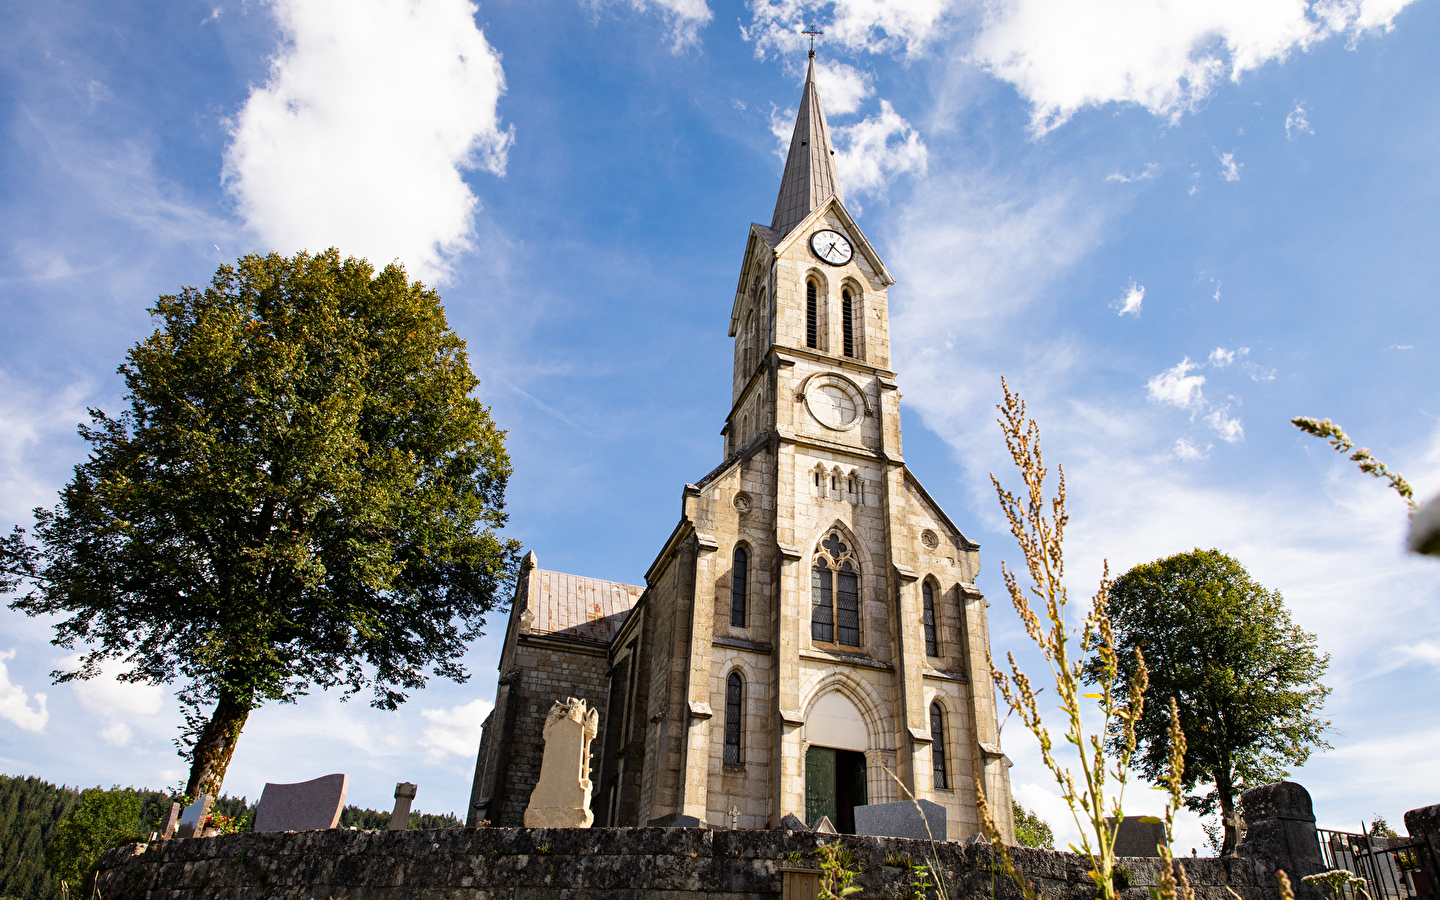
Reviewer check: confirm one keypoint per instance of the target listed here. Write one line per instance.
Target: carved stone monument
(400, 818)
(561, 799)
(303, 806)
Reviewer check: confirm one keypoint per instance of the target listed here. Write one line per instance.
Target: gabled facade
(810, 634)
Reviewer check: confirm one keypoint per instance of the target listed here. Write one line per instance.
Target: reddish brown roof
(585, 609)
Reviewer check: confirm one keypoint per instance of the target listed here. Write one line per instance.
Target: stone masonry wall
(599, 863)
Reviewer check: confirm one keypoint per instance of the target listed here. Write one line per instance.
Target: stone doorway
(834, 786)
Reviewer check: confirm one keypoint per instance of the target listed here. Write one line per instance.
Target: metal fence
(1388, 865)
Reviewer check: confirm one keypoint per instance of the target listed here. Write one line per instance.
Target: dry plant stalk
(1038, 526)
(1337, 438)
(1172, 883)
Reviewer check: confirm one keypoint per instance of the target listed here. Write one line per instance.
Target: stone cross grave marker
(192, 820)
(561, 798)
(400, 818)
(302, 806)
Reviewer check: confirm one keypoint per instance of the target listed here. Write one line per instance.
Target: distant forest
(30, 810)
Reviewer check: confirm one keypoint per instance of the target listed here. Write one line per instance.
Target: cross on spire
(812, 31)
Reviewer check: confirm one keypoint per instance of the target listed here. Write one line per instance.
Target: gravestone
(400, 818)
(192, 820)
(1280, 826)
(561, 798)
(824, 827)
(792, 822)
(1138, 836)
(172, 821)
(302, 806)
(902, 820)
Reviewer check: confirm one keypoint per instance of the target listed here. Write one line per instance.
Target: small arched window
(937, 747)
(738, 574)
(812, 316)
(734, 697)
(932, 643)
(847, 318)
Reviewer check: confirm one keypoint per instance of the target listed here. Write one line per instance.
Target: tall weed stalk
(1038, 525)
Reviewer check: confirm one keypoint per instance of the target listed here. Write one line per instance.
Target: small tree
(301, 494)
(103, 819)
(1031, 830)
(1245, 678)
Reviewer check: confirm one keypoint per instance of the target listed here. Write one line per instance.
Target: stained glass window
(937, 746)
(932, 645)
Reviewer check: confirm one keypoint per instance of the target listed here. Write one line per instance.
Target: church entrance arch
(837, 739)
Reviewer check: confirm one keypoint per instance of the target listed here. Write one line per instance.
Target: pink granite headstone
(303, 806)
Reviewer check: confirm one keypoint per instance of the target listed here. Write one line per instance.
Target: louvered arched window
(937, 747)
(734, 704)
(932, 642)
(812, 316)
(847, 317)
(739, 572)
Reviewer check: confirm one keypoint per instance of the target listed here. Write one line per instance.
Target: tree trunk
(211, 755)
(1228, 819)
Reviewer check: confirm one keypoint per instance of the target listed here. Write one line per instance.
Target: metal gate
(1390, 866)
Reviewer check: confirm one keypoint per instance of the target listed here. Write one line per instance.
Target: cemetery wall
(599, 863)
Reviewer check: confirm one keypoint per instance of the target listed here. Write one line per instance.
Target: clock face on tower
(832, 247)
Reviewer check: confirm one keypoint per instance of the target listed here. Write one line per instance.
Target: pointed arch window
(932, 643)
(937, 747)
(812, 317)
(835, 593)
(739, 571)
(847, 316)
(734, 705)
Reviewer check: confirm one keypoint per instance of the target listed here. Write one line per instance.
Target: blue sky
(1171, 225)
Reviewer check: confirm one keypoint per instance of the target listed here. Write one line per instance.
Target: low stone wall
(601, 863)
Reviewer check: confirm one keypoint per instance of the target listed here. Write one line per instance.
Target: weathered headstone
(172, 821)
(792, 822)
(824, 827)
(1138, 836)
(902, 820)
(1280, 827)
(192, 820)
(302, 806)
(561, 798)
(400, 818)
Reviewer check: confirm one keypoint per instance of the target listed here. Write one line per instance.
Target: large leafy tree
(1245, 677)
(302, 494)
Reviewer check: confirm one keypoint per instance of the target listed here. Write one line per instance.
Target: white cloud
(872, 152)
(1220, 357)
(454, 731)
(1129, 305)
(1166, 56)
(15, 703)
(1187, 450)
(842, 87)
(31, 425)
(1177, 387)
(360, 136)
(869, 25)
(684, 18)
(1144, 174)
(106, 694)
(1297, 122)
(1229, 168)
(1229, 429)
(118, 733)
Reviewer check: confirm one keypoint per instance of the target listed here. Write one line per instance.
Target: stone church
(810, 632)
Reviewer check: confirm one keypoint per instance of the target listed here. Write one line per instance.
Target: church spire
(809, 178)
